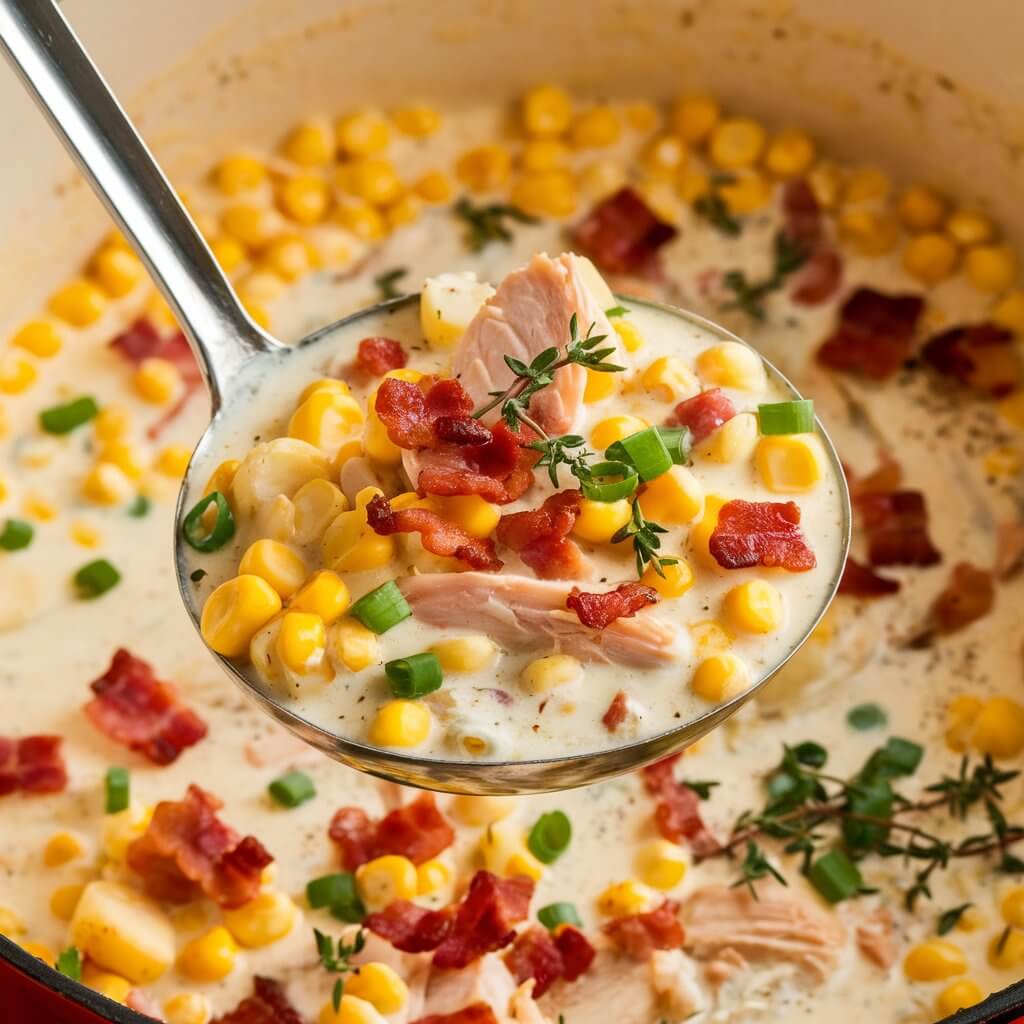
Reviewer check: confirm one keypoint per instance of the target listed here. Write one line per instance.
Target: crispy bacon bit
(767, 533)
(477, 1013)
(461, 431)
(638, 935)
(33, 764)
(268, 1004)
(187, 851)
(616, 713)
(409, 411)
(541, 537)
(968, 596)
(677, 813)
(801, 214)
(439, 536)
(704, 413)
(378, 355)
(598, 611)
(817, 280)
(896, 524)
(622, 235)
(535, 955)
(411, 928)
(577, 952)
(887, 477)
(136, 709)
(981, 356)
(418, 831)
(874, 334)
(862, 581)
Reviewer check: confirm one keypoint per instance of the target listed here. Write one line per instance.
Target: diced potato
(448, 303)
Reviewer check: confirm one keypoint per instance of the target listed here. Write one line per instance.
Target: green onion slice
(600, 488)
(549, 838)
(96, 578)
(786, 417)
(69, 963)
(118, 789)
(140, 507)
(17, 534)
(338, 892)
(645, 450)
(415, 675)
(62, 419)
(555, 914)
(678, 443)
(382, 608)
(292, 789)
(866, 716)
(616, 311)
(196, 530)
(835, 876)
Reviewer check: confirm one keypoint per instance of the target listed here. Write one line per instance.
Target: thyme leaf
(338, 961)
(488, 222)
(749, 296)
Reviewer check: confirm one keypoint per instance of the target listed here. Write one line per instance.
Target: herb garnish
(646, 541)
(385, 283)
(487, 223)
(756, 866)
(338, 962)
(949, 919)
(750, 295)
(69, 963)
(701, 787)
(715, 210)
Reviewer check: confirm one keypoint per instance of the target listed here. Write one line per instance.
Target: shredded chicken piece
(876, 939)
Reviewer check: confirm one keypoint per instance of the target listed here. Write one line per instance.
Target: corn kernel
(362, 133)
(120, 830)
(547, 111)
(39, 337)
(968, 227)
(736, 142)
(971, 920)
(865, 185)
(38, 508)
(599, 521)
(209, 957)
(329, 384)
(544, 155)
(933, 960)
(40, 950)
(373, 179)
(669, 379)
(304, 198)
(469, 512)
(378, 984)
(106, 484)
(665, 157)
(173, 460)
(998, 729)
(599, 386)
(281, 566)
(789, 463)
(1011, 906)
(250, 225)
(871, 233)
(991, 268)
(157, 381)
(348, 545)
(789, 154)
(692, 185)
(64, 899)
(642, 117)
(111, 423)
(615, 428)
(326, 420)
(301, 642)
(826, 181)
(235, 611)
(600, 179)
(355, 646)
(622, 899)
(730, 364)
(931, 257)
(188, 1008)
(61, 848)
(239, 173)
(266, 918)
(754, 607)
(351, 1010)
(676, 496)
(958, 995)
(432, 876)
(747, 193)
(523, 862)
(628, 334)
(11, 923)
(465, 653)
(1005, 951)
(361, 219)
(661, 864)
(734, 441)
(79, 303)
(385, 879)
(289, 257)
(484, 168)
(1002, 462)
(405, 210)
(1011, 409)
(504, 852)
(694, 117)
(401, 723)
(545, 674)
(595, 128)
(317, 504)
(324, 594)
(545, 193)
(309, 145)
(720, 677)
(116, 271)
(113, 986)
(17, 376)
(921, 208)
(229, 253)
(1008, 312)
(417, 120)
(160, 312)
(673, 581)
(433, 187)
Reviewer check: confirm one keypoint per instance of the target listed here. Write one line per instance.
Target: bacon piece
(598, 611)
(767, 533)
(968, 596)
(981, 356)
(862, 581)
(616, 713)
(704, 413)
(874, 334)
(136, 709)
(377, 355)
(535, 955)
(439, 536)
(888, 476)
(418, 831)
(577, 952)
(409, 410)
(541, 537)
(622, 235)
(677, 814)
(477, 1013)
(187, 850)
(411, 928)
(268, 1004)
(461, 431)
(638, 935)
(819, 277)
(801, 214)
(896, 524)
(32, 764)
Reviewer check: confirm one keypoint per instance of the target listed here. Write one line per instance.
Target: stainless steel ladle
(237, 358)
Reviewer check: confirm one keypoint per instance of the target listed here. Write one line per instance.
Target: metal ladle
(236, 357)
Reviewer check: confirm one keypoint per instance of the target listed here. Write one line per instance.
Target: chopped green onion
(96, 578)
(292, 789)
(140, 507)
(17, 534)
(199, 534)
(382, 608)
(62, 419)
(678, 442)
(549, 838)
(835, 876)
(599, 488)
(786, 417)
(866, 716)
(644, 450)
(555, 914)
(349, 909)
(414, 676)
(616, 311)
(338, 892)
(69, 963)
(118, 788)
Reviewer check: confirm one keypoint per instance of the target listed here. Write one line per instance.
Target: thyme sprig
(338, 961)
(749, 296)
(646, 541)
(713, 207)
(488, 222)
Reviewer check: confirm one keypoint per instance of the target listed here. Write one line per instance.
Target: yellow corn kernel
(866, 184)
(933, 960)
(789, 154)
(379, 985)
(661, 864)
(266, 918)
(789, 463)
(523, 862)
(348, 545)
(1002, 461)
(120, 830)
(39, 508)
(999, 728)
(991, 268)
(111, 423)
(674, 497)
(736, 142)
(748, 192)
(600, 179)
(547, 111)
(921, 208)
(484, 168)
(405, 210)
(11, 923)
(642, 117)
(465, 653)
(433, 187)
(79, 303)
(545, 674)
(117, 271)
(710, 637)
(106, 484)
(276, 563)
(754, 607)
(665, 157)
(622, 899)
(324, 594)
(304, 198)
(1011, 409)
(544, 155)
(373, 179)
(470, 512)
(595, 128)
(188, 1008)
(674, 580)
(160, 312)
(631, 338)
(126, 456)
(971, 920)
(329, 384)
(355, 645)
(173, 460)
(40, 950)
(236, 611)
(385, 879)
(250, 225)
(39, 337)
(931, 257)
(734, 440)
(210, 956)
(289, 257)
(692, 185)
(730, 364)
(1011, 906)
(504, 852)
(1008, 312)
(958, 995)
(351, 1010)
(326, 420)
(545, 193)
(694, 118)
(239, 173)
(222, 478)
(317, 504)
(63, 901)
(61, 848)
(432, 876)
(301, 642)
(870, 232)
(361, 219)
(720, 677)
(599, 386)
(17, 376)
(113, 986)
(599, 521)
(669, 379)
(968, 227)
(157, 381)
(362, 133)
(401, 723)
(229, 253)
(309, 145)
(1006, 950)
(417, 120)
(615, 428)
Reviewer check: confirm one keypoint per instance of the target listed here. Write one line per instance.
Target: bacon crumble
(704, 413)
(981, 356)
(577, 952)
(540, 536)
(765, 533)
(475, 1013)
(32, 764)
(535, 955)
(268, 1004)
(617, 711)
(968, 596)
(862, 581)
(677, 813)
(376, 356)
(638, 935)
(622, 235)
(598, 611)
(896, 525)
(821, 274)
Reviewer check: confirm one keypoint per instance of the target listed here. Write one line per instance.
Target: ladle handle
(83, 112)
